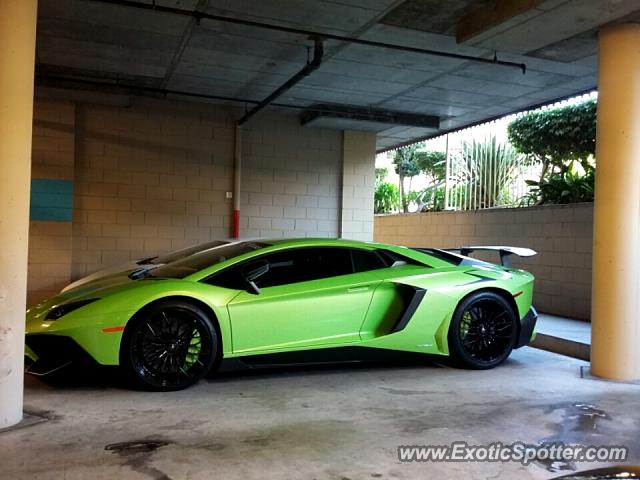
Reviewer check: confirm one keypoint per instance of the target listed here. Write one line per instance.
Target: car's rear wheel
(169, 346)
(483, 331)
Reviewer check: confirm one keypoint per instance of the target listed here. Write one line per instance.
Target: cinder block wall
(561, 234)
(149, 176)
(50, 238)
(291, 179)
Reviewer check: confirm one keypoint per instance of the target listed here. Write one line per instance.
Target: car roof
(283, 243)
(312, 241)
(320, 241)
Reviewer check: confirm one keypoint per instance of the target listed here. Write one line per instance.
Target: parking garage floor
(334, 422)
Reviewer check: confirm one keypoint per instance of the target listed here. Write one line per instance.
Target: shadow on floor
(103, 378)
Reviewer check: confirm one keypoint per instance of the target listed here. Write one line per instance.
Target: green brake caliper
(193, 352)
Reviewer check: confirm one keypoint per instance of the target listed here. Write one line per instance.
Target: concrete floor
(330, 423)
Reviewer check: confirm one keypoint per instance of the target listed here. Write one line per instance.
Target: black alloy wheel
(483, 331)
(169, 346)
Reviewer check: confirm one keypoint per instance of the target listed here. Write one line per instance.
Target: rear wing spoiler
(503, 251)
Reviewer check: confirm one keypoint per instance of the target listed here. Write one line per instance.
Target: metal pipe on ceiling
(310, 67)
(310, 33)
(337, 110)
(62, 81)
(74, 81)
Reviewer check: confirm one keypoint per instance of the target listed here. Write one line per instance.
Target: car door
(307, 297)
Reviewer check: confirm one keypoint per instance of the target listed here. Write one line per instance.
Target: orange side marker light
(113, 329)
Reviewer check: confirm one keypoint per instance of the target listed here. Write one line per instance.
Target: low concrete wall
(561, 234)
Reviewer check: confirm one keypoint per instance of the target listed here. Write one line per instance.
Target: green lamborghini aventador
(271, 302)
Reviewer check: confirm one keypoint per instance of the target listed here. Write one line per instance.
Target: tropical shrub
(387, 195)
(562, 187)
(386, 198)
(558, 139)
(483, 173)
(433, 164)
(405, 160)
(430, 199)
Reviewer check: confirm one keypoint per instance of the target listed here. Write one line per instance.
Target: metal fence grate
(486, 174)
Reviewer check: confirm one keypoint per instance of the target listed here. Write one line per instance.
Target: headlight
(61, 310)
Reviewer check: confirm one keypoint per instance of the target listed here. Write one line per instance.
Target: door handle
(358, 289)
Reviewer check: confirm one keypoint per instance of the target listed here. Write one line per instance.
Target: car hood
(97, 285)
(107, 274)
(96, 289)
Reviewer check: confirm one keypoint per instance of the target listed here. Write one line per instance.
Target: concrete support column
(615, 352)
(17, 59)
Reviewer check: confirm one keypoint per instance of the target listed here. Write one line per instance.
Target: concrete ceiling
(556, 39)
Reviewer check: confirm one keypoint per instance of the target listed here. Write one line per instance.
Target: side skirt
(324, 356)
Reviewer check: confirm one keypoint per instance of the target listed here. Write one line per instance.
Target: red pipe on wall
(237, 170)
(236, 223)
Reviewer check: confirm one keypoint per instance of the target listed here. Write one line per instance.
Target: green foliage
(487, 168)
(406, 161)
(559, 138)
(386, 198)
(410, 161)
(387, 195)
(557, 135)
(562, 187)
(381, 175)
(433, 164)
(406, 165)
(430, 199)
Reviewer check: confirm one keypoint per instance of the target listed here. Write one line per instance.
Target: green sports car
(269, 302)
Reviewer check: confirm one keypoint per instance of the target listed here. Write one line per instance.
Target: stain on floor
(138, 455)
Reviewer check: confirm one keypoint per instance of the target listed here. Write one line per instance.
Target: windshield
(201, 260)
(182, 253)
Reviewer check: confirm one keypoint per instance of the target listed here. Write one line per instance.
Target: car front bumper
(45, 354)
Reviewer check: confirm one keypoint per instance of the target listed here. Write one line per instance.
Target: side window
(365, 260)
(393, 259)
(290, 266)
(229, 278)
(305, 264)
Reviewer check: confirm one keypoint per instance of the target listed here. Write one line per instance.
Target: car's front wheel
(483, 331)
(169, 345)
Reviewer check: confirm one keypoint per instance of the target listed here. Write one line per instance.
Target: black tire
(483, 331)
(169, 345)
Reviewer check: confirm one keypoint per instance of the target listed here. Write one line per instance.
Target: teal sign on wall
(51, 200)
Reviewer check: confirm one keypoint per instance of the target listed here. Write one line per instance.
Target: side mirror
(251, 272)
